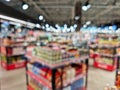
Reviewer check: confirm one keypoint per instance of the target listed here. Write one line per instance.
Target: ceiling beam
(39, 10)
(55, 2)
(102, 13)
(56, 6)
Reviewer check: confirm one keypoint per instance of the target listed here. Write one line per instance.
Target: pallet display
(49, 69)
(105, 51)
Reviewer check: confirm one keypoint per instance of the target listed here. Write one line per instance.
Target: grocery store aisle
(98, 78)
(12, 80)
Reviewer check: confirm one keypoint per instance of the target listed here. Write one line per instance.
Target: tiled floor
(97, 79)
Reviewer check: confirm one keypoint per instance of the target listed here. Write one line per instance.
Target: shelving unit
(117, 79)
(44, 75)
(12, 57)
(105, 52)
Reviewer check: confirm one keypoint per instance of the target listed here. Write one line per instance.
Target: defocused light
(43, 27)
(65, 26)
(84, 26)
(38, 25)
(41, 17)
(68, 29)
(46, 25)
(7, 0)
(88, 22)
(47, 29)
(77, 17)
(72, 28)
(84, 8)
(44, 20)
(88, 6)
(56, 25)
(75, 25)
(110, 27)
(25, 6)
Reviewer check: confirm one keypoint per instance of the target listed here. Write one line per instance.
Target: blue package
(77, 84)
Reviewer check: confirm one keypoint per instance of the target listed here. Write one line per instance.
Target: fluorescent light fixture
(25, 6)
(88, 22)
(7, 0)
(77, 17)
(16, 20)
(41, 17)
(38, 25)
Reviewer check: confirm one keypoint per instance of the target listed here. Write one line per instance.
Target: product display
(105, 51)
(12, 55)
(59, 44)
(117, 80)
(57, 68)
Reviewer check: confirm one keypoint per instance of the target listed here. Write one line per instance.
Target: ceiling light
(41, 17)
(84, 26)
(48, 29)
(68, 29)
(88, 22)
(88, 6)
(46, 25)
(77, 17)
(110, 27)
(75, 25)
(7, 0)
(25, 6)
(43, 27)
(72, 28)
(65, 25)
(38, 25)
(56, 25)
(84, 8)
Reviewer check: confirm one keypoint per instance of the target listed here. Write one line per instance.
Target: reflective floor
(16, 79)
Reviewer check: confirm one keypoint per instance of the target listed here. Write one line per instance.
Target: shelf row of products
(69, 74)
(58, 67)
(105, 51)
(12, 56)
(56, 54)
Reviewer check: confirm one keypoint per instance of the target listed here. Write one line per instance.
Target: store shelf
(35, 59)
(40, 79)
(75, 79)
(104, 66)
(103, 54)
(12, 50)
(30, 87)
(103, 46)
(13, 66)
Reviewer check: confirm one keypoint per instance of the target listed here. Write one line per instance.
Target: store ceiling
(62, 11)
